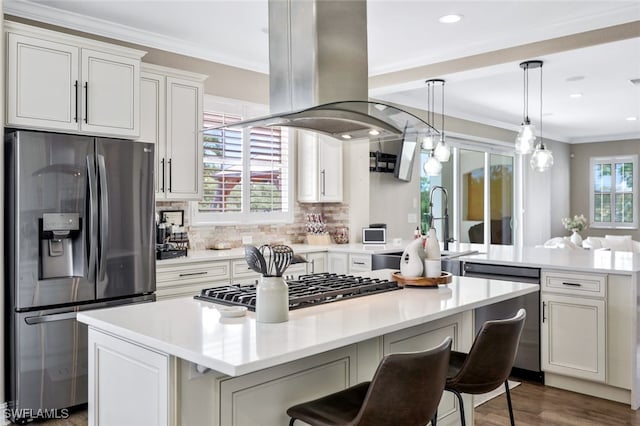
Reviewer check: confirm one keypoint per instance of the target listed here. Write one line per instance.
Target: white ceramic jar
(272, 300)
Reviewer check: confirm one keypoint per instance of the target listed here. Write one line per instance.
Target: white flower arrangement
(575, 224)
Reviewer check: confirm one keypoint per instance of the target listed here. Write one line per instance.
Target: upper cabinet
(319, 168)
(171, 117)
(66, 83)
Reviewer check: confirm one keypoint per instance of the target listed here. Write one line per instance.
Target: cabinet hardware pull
(86, 102)
(162, 181)
(544, 310)
(313, 266)
(323, 173)
(76, 86)
(188, 274)
(170, 175)
(573, 284)
(358, 263)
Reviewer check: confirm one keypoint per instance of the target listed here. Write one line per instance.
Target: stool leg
(291, 421)
(434, 420)
(459, 396)
(506, 386)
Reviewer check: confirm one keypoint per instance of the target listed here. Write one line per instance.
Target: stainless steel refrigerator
(79, 233)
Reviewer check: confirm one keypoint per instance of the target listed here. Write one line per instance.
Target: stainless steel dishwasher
(527, 363)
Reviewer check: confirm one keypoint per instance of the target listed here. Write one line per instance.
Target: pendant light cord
(541, 141)
(442, 112)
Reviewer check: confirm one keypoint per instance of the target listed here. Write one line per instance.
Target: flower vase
(576, 239)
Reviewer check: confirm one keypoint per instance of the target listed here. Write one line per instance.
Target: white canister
(272, 300)
(432, 268)
(411, 260)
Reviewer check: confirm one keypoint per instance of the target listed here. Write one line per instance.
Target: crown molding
(42, 13)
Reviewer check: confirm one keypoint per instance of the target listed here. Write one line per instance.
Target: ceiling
(406, 35)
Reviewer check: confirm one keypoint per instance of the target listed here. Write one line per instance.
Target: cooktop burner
(307, 290)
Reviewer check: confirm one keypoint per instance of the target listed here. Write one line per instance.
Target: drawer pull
(358, 263)
(189, 274)
(572, 284)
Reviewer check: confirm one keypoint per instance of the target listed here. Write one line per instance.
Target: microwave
(374, 236)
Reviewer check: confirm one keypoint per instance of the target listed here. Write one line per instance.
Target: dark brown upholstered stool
(489, 362)
(405, 390)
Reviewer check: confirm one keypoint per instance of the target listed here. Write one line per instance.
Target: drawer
(359, 262)
(296, 270)
(592, 285)
(183, 290)
(192, 272)
(240, 269)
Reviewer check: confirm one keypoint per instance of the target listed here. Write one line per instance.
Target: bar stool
(405, 390)
(489, 362)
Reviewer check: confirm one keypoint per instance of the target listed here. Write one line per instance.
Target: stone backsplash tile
(203, 237)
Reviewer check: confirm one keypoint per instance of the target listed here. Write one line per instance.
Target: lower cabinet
(141, 371)
(573, 330)
(187, 279)
(349, 263)
(261, 398)
(316, 262)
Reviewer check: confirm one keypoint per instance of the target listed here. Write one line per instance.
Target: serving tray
(444, 278)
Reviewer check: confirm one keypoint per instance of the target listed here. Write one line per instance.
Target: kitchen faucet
(445, 218)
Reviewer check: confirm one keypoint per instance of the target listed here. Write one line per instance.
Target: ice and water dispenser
(60, 245)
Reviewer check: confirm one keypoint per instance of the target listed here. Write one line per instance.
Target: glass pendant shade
(542, 159)
(427, 142)
(525, 139)
(442, 151)
(432, 166)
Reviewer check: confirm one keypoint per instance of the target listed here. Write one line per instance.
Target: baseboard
(599, 390)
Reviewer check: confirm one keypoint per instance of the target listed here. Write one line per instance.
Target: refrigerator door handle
(104, 217)
(50, 318)
(92, 245)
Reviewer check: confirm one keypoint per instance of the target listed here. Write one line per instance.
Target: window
(246, 173)
(613, 192)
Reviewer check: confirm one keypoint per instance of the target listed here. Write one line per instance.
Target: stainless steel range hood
(319, 73)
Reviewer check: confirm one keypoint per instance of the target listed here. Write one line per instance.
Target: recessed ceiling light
(374, 132)
(575, 95)
(632, 118)
(345, 136)
(449, 19)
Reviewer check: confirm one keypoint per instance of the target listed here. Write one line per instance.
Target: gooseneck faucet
(445, 218)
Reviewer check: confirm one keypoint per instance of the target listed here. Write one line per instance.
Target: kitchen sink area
(450, 261)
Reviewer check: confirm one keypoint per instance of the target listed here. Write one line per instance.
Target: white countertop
(193, 330)
(618, 262)
(238, 253)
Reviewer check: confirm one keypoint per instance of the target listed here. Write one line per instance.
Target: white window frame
(246, 110)
(612, 160)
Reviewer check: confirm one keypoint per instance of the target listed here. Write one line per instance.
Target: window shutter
(268, 170)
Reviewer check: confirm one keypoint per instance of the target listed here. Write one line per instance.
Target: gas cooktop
(307, 290)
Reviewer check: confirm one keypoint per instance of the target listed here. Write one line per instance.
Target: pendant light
(428, 141)
(441, 151)
(526, 136)
(432, 167)
(542, 158)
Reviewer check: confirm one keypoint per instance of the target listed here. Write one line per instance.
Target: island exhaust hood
(319, 74)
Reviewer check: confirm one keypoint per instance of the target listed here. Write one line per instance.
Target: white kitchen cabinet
(66, 83)
(188, 278)
(317, 262)
(171, 105)
(573, 331)
(359, 263)
(338, 263)
(145, 373)
(319, 168)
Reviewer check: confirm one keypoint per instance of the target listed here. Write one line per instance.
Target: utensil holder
(272, 300)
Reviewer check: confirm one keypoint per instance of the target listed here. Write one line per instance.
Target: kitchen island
(178, 362)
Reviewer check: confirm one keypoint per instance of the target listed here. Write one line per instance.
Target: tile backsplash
(202, 237)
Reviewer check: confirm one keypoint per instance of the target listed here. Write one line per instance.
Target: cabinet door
(330, 163)
(184, 139)
(110, 93)
(42, 79)
(359, 263)
(338, 263)
(308, 173)
(573, 336)
(317, 263)
(152, 123)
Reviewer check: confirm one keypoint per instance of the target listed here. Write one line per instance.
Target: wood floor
(534, 405)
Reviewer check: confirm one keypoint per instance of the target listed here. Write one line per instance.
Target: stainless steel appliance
(79, 235)
(527, 363)
(307, 290)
